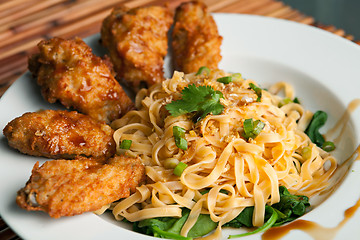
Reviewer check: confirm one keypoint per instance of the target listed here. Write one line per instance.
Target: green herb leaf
(257, 90)
(178, 170)
(317, 121)
(252, 128)
(201, 101)
(179, 135)
(125, 144)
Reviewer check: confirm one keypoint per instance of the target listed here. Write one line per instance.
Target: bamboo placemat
(23, 23)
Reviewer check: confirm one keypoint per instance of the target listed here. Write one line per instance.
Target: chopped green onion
(328, 146)
(306, 153)
(263, 228)
(236, 77)
(287, 101)
(179, 135)
(257, 90)
(125, 144)
(284, 102)
(202, 70)
(258, 127)
(171, 163)
(252, 128)
(225, 80)
(178, 170)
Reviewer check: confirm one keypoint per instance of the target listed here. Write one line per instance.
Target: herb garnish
(200, 101)
(178, 170)
(179, 135)
(252, 128)
(257, 90)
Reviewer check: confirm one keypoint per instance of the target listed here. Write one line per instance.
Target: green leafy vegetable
(200, 101)
(178, 170)
(286, 210)
(202, 70)
(268, 224)
(170, 227)
(125, 144)
(328, 146)
(158, 227)
(296, 100)
(244, 219)
(317, 121)
(179, 135)
(257, 90)
(292, 206)
(289, 208)
(225, 80)
(252, 128)
(203, 226)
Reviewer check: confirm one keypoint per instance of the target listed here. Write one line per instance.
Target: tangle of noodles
(218, 157)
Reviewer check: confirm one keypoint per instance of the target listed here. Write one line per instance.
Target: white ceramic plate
(323, 68)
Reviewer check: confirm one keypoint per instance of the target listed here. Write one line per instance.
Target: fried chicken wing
(195, 38)
(60, 134)
(68, 71)
(137, 43)
(71, 187)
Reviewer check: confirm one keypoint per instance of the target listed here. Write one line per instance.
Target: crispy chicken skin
(68, 71)
(137, 42)
(195, 38)
(71, 187)
(60, 134)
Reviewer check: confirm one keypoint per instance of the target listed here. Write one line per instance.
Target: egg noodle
(218, 157)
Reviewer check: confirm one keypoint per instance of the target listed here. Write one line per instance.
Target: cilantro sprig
(200, 101)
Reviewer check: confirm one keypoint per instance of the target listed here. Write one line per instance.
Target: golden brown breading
(68, 71)
(60, 134)
(71, 187)
(195, 38)
(137, 42)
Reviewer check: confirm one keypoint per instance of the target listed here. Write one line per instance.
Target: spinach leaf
(171, 227)
(292, 206)
(317, 121)
(203, 226)
(244, 219)
(268, 224)
(287, 209)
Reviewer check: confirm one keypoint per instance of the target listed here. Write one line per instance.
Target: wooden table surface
(23, 23)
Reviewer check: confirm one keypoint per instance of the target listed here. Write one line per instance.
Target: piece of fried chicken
(60, 134)
(71, 187)
(137, 42)
(68, 71)
(195, 38)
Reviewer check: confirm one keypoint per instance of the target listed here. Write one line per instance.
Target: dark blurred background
(344, 14)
